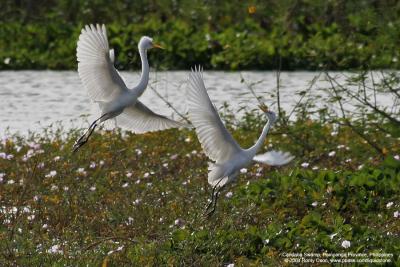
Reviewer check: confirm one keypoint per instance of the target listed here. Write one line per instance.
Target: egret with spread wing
(218, 143)
(106, 87)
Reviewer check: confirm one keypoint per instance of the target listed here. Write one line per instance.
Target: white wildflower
(305, 164)
(10, 181)
(314, 204)
(346, 244)
(332, 153)
(81, 171)
(57, 158)
(229, 194)
(243, 170)
(51, 174)
(389, 204)
(92, 165)
(53, 187)
(125, 185)
(179, 222)
(55, 249)
(396, 214)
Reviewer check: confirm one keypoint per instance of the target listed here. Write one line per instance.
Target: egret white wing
(215, 139)
(141, 119)
(96, 64)
(274, 158)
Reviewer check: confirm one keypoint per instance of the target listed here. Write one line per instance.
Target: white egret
(106, 87)
(218, 143)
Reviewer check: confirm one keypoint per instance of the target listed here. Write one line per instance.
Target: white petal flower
(332, 153)
(346, 244)
(229, 194)
(389, 204)
(314, 204)
(332, 235)
(305, 164)
(243, 170)
(396, 214)
(51, 174)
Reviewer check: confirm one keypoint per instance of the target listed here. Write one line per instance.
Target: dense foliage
(293, 34)
(138, 200)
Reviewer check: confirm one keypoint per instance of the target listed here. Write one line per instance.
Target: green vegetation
(291, 34)
(137, 200)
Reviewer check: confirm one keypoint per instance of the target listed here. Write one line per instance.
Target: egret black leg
(211, 212)
(85, 137)
(214, 197)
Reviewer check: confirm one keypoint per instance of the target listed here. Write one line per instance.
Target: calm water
(31, 100)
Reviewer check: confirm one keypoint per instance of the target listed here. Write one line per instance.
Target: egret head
(146, 43)
(270, 114)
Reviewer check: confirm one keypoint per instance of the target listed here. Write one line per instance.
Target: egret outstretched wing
(141, 119)
(215, 139)
(96, 64)
(274, 158)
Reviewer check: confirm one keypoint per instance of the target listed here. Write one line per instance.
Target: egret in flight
(106, 87)
(219, 145)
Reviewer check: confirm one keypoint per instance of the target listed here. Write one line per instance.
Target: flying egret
(106, 87)
(219, 145)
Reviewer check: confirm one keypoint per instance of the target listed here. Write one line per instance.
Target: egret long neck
(144, 77)
(261, 139)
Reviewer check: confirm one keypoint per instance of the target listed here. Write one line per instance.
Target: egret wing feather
(216, 141)
(274, 158)
(140, 119)
(96, 65)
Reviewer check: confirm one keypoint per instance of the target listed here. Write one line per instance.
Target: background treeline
(293, 34)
